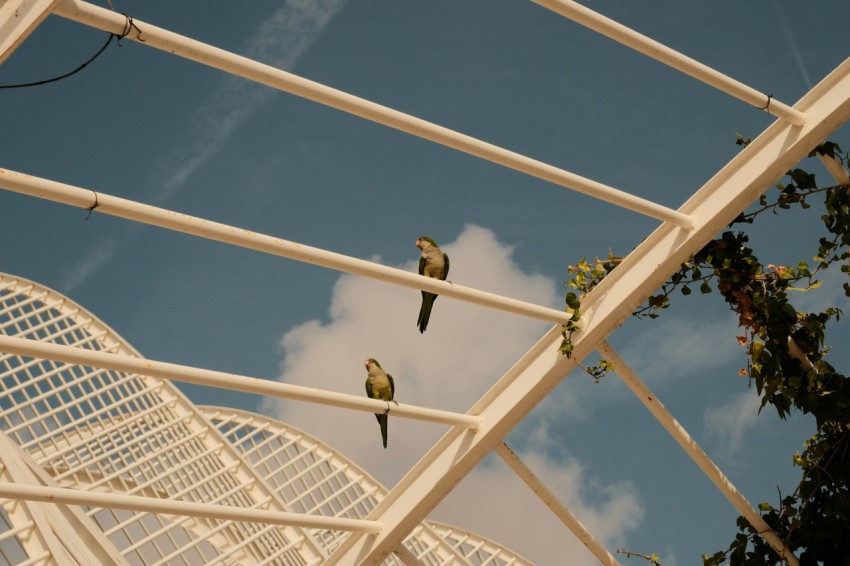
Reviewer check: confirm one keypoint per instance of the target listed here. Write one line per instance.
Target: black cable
(66, 75)
(128, 27)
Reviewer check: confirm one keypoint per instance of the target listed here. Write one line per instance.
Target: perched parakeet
(435, 264)
(379, 385)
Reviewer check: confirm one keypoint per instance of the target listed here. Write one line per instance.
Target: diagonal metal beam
(689, 445)
(559, 509)
(723, 197)
(18, 19)
(89, 545)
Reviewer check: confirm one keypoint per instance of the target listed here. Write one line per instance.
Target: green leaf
(705, 288)
(814, 285)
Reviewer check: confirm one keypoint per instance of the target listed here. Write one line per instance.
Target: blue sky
(148, 126)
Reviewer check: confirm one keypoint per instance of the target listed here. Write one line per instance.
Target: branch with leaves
(651, 558)
(785, 360)
(584, 276)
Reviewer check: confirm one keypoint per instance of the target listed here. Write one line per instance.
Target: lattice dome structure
(105, 461)
(71, 426)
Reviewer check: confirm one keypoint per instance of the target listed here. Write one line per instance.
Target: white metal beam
(169, 219)
(720, 200)
(66, 533)
(210, 378)
(18, 19)
(697, 454)
(663, 54)
(552, 502)
(152, 36)
(163, 408)
(46, 494)
(836, 169)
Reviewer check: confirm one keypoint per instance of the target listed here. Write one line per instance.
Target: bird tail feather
(384, 421)
(425, 310)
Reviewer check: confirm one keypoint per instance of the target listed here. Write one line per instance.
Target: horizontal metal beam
(209, 378)
(171, 220)
(692, 449)
(158, 38)
(641, 273)
(663, 54)
(24, 492)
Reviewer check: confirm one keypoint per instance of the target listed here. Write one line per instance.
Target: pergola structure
(482, 429)
(162, 481)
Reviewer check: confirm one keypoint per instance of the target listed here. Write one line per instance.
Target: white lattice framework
(312, 478)
(72, 426)
(77, 421)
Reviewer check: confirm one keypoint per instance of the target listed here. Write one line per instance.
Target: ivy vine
(786, 362)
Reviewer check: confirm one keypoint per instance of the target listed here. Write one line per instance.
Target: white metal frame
(125, 468)
(472, 436)
(313, 479)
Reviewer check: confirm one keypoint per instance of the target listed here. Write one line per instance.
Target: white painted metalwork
(44, 527)
(731, 190)
(111, 430)
(161, 480)
(836, 169)
(18, 18)
(26, 492)
(551, 500)
(660, 52)
(313, 478)
(198, 376)
(115, 206)
(105, 425)
(689, 445)
(181, 46)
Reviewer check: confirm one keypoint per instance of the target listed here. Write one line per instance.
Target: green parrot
(435, 264)
(380, 385)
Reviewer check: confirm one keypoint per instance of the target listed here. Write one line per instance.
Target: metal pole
(25, 492)
(545, 494)
(689, 445)
(164, 218)
(836, 169)
(163, 370)
(152, 36)
(660, 52)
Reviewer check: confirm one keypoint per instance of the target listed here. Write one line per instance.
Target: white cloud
(664, 347)
(495, 502)
(464, 351)
(728, 423)
(792, 43)
(280, 41)
(97, 257)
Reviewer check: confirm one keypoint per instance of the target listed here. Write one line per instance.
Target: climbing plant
(786, 359)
